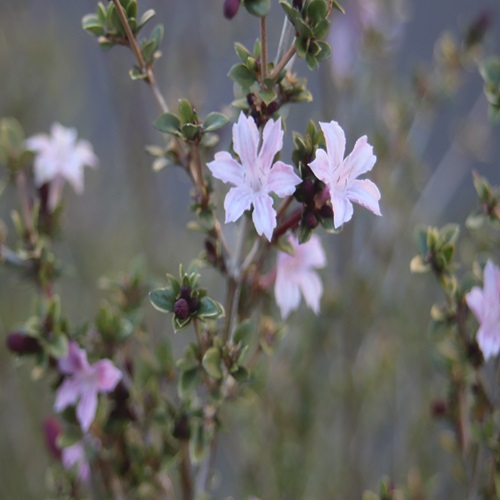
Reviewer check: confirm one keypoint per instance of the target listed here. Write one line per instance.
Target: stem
(138, 55)
(283, 62)
(25, 208)
(187, 484)
(263, 47)
(283, 207)
(291, 222)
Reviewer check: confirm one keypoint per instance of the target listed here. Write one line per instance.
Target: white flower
(295, 274)
(256, 177)
(340, 175)
(60, 157)
(485, 304)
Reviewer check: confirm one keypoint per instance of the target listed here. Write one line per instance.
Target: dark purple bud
(298, 4)
(310, 219)
(231, 8)
(272, 107)
(193, 305)
(307, 190)
(474, 354)
(251, 99)
(181, 429)
(326, 211)
(185, 292)
(51, 431)
(181, 309)
(120, 393)
(478, 28)
(439, 408)
(20, 343)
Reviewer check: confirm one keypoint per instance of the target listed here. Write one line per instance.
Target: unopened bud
(193, 305)
(326, 211)
(21, 343)
(439, 408)
(185, 292)
(231, 8)
(272, 107)
(181, 309)
(298, 4)
(307, 190)
(51, 431)
(181, 429)
(310, 219)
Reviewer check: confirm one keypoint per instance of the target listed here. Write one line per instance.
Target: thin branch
(263, 47)
(25, 208)
(187, 484)
(140, 59)
(283, 62)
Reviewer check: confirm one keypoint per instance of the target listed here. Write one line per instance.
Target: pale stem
(187, 484)
(25, 207)
(263, 47)
(283, 62)
(138, 55)
(286, 39)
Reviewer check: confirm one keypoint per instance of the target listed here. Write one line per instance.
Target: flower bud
(181, 429)
(231, 8)
(20, 343)
(193, 305)
(51, 431)
(181, 309)
(307, 191)
(272, 107)
(326, 211)
(310, 219)
(185, 292)
(298, 4)
(439, 408)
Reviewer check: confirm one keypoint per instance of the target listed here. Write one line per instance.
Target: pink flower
(256, 176)
(295, 274)
(485, 304)
(83, 382)
(75, 456)
(340, 175)
(60, 157)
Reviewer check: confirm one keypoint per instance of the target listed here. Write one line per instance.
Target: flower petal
(361, 159)
(282, 179)
(237, 200)
(75, 361)
(287, 294)
(246, 140)
(264, 215)
(67, 394)
(342, 209)
(108, 375)
(226, 168)
(335, 141)
(311, 288)
(272, 142)
(311, 253)
(474, 300)
(489, 341)
(321, 167)
(365, 193)
(87, 407)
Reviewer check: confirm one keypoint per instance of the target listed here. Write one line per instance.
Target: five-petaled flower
(83, 382)
(485, 304)
(341, 175)
(60, 157)
(295, 274)
(255, 177)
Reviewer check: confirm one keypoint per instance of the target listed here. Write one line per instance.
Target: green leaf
(163, 299)
(316, 11)
(132, 9)
(168, 123)
(58, 348)
(136, 74)
(449, 233)
(148, 49)
(243, 332)
(242, 52)
(293, 14)
(149, 14)
(174, 283)
(259, 8)
(214, 121)
(240, 374)
(187, 383)
(312, 62)
(92, 25)
(242, 75)
(267, 95)
(286, 246)
(321, 30)
(305, 233)
(101, 13)
(337, 6)
(209, 308)
(190, 131)
(186, 113)
(302, 46)
(211, 363)
(325, 50)
(157, 35)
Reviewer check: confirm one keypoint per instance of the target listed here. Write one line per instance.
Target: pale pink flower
(485, 304)
(256, 176)
(341, 174)
(83, 382)
(295, 275)
(60, 157)
(75, 456)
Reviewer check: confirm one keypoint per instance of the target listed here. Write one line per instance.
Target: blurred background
(346, 397)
